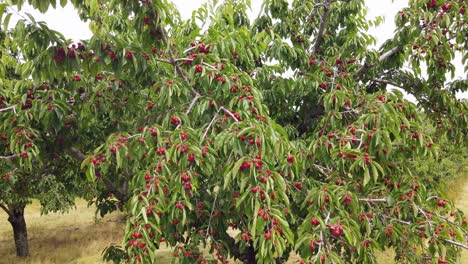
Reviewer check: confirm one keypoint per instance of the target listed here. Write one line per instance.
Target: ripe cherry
(314, 221)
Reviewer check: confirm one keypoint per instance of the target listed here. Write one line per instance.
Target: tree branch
(192, 104)
(8, 108)
(383, 200)
(6, 210)
(389, 83)
(456, 243)
(8, 157)
(453, 223)
(321, 30)
(172, 59)
(121, 196)
(382, 58)
(229, 113)
(210, 124)
(75, 153)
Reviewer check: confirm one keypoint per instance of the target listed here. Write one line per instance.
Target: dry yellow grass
(76, 238)
(62, 238)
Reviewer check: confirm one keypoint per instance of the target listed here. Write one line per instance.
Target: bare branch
(12, 107)
(6, 210)
(321, 30)
(229, 113)
(456, 243)
(389, 53)
(397, 220)
(172, 59)
(132, 136)
(389, 83)
(163, 60)
(75, 153)
(190, 49)
(209, 66)
(453, 223)
(383, 57)
(8, 157)
(210, 124)
(192, 104)
(382, 200)
(211, 214)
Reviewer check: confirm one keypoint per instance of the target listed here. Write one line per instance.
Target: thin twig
(192, 104)
(229, 113)
(211, 214)
(397, 220)
(132, 136)
(456, 243)
(210, 124)
(190, 49)
(384, 200)
(8, 157)
(210, 66)
(453, 223)
(8, 108)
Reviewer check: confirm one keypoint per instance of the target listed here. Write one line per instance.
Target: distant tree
(195, 128)
(33, 164)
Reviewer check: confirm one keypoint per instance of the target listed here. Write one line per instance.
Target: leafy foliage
(194, 128)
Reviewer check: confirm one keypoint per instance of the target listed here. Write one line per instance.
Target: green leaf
(366, 176)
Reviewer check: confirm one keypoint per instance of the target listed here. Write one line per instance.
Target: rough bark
(20, 232)
(246, 257)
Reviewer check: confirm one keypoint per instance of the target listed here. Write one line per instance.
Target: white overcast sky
(66, 21)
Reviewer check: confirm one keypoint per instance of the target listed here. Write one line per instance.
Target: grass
(62, 238)
(76, 238)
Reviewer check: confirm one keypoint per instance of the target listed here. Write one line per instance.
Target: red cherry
(76, 78)
(198, 68)
(175, 121)
(161, 151)
(129, 55)
(267, 236)
(298, 186)
(290, 159)
(314, 221)
(191, 157)
(388, 233)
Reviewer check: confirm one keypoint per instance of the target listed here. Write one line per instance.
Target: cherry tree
(194, 128)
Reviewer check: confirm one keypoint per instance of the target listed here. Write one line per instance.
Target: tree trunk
(249, 255)
(20, 231)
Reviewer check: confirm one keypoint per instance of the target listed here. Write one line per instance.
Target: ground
(76, 237)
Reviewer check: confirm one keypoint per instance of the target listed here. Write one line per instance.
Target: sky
(66, 21)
